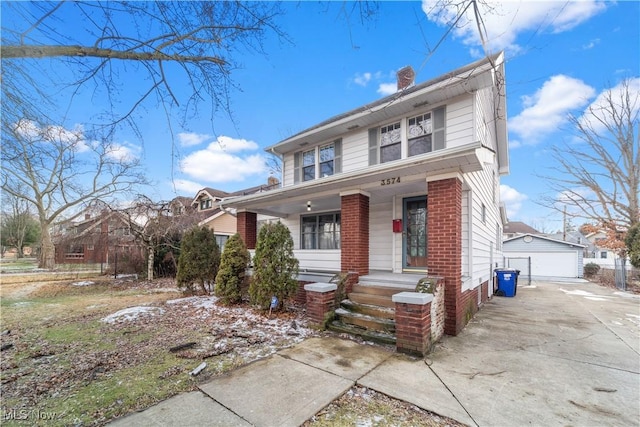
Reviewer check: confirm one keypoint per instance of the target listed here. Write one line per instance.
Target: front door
(414, 237)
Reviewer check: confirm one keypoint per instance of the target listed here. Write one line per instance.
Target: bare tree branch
(598, 175)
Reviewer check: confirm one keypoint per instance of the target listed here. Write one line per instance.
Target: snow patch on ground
(83, 283)
(132, 313)
(196, 302)
(587, 295)
(633, 318)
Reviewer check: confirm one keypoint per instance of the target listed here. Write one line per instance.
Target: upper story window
(309, 165)
(321, 161)
(419, 134)
(390, 140)
(327, 159)
(411, 136)
(205, 204)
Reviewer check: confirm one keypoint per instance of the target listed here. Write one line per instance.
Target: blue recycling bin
(507, 281)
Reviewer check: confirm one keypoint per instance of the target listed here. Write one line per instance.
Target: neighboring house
(575, 237)
(206, 204)
(542, 256)
(406, 184)
(95, 239)
(514, 228)
(599, 251)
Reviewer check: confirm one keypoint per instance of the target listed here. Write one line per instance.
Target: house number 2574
(390, 181)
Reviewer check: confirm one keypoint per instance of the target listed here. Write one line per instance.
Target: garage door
(554, 264)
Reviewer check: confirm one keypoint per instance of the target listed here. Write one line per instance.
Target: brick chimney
(273, 182)
(405, 77)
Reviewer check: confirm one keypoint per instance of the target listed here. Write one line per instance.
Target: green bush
(591, 269)
(632, 242)
(274, 266)
(199, 259)
(233, 266)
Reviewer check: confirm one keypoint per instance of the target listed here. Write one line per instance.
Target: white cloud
(505, 20)
(189, 139)
(216, 163)
(591, 44)
(600, 109)
(548, 108)
(387, 88)
(512, 199)
(186, 186)
(122, 152)
(32, 131)
(362, 79)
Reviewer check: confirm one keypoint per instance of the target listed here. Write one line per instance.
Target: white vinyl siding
(484, 236)
(485, 118)
(548, 258)
(459, 128)
(381, 237)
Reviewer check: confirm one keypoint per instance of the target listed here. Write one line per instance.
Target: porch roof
(324, 193)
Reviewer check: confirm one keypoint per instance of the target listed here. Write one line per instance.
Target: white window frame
(387, 136)
(316, 233)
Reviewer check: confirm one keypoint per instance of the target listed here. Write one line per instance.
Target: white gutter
(361, 173)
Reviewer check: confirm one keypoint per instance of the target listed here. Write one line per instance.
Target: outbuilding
(545, 257)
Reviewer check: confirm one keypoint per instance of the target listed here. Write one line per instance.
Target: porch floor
(404, 281)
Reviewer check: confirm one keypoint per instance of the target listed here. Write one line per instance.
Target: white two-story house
(405, 184)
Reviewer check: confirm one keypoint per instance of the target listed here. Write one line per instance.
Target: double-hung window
(327, 156)
(319, 162)
(390, 142)
(309, 165)
(320, 231)
(419, 134)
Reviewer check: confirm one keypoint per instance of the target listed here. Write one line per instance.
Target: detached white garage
(549, 257)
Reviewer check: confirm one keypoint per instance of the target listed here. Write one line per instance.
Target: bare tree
(18, 227)
(108, 49)
(598, 177)
(121, 57)
(159, 225)
(57, 171)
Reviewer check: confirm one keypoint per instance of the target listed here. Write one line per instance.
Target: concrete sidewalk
(556, 354)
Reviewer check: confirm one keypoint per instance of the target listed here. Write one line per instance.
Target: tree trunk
(48, 250)
(150, 259)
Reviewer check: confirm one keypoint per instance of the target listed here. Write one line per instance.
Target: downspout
(226, 210)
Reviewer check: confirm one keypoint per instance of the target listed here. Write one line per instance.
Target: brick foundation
(300, 296)
(484, 292)
(438, 314)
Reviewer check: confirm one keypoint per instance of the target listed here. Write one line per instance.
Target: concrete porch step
(365, 321)
(378, 289)
(372, 299)
(370, 310)
(368, 335)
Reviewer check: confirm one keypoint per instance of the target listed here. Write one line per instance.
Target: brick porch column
(354, 232)
(247, 226)
(444, 244)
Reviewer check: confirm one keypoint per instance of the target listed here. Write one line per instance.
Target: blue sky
(559, 57)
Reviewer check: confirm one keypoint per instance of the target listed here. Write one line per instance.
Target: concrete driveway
(556, 354)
